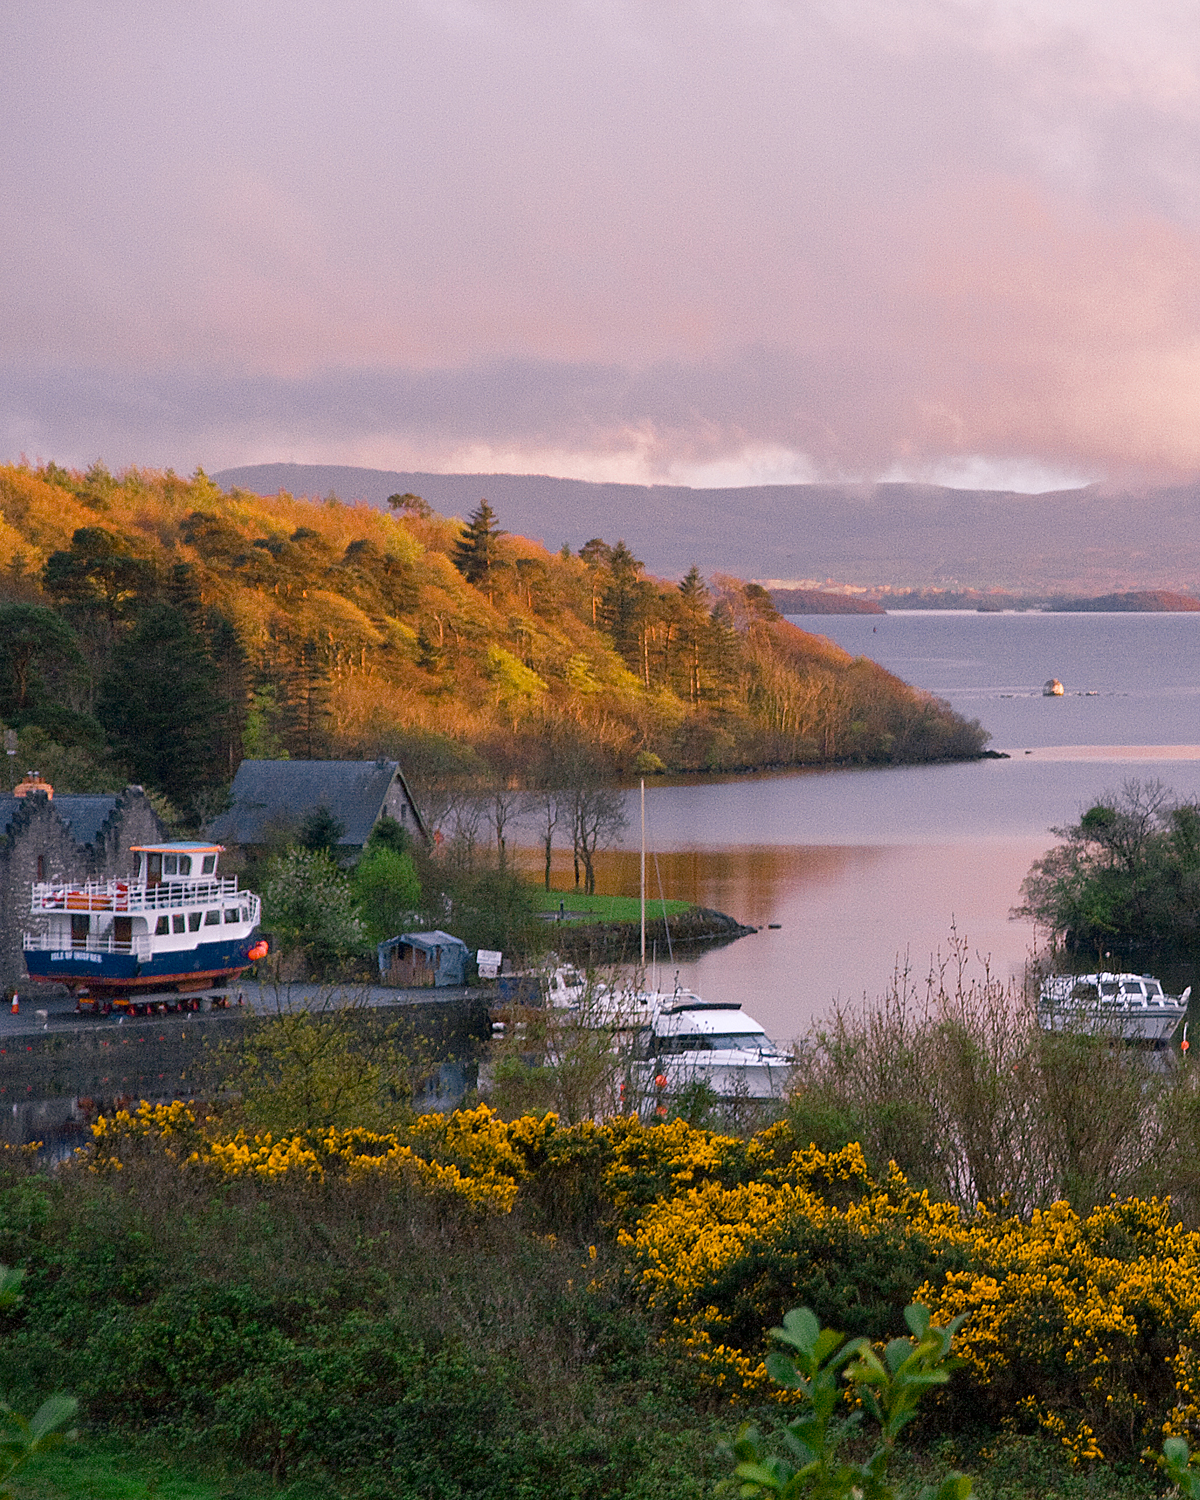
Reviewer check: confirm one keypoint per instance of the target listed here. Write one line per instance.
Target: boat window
(170, 864)
(1109, 987)
(1131, 987)
(1084, 992)
(210, 864)
(212, 919)
(185, 864)
(163, 925)
(738, 1041)
(178, 922)
(194, 921)
(232, 914)
(1153, 987)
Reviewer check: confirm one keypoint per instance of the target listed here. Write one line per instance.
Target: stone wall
(40, 830)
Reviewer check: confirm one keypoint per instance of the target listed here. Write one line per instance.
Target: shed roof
(267, 793)
(85, 815)
(425, 940)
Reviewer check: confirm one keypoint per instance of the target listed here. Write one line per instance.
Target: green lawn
(606, 908)
(109, 1469)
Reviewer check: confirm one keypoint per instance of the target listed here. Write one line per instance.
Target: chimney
(33, 785)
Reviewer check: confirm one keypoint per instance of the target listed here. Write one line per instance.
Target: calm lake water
(870, 870)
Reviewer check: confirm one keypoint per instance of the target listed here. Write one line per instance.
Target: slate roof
(270, 793)
(84, 814)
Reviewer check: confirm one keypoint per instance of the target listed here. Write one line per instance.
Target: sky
(749, 241)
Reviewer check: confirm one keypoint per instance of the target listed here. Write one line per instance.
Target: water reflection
(848, 915)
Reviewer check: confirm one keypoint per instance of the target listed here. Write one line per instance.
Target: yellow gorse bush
(1086, 1325)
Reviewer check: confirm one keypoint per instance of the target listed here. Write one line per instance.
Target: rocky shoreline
(591, 943)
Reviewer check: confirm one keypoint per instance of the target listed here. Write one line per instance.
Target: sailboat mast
(643, 872)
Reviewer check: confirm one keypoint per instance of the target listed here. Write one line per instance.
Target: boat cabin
(158, 863)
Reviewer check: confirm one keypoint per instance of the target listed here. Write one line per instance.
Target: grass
(107, 1468)
(605, 908)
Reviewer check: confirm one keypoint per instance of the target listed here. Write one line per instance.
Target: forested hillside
(161, 628)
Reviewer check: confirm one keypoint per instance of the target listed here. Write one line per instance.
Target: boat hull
(121, 973)
(729, 1076)
(1154, 1025)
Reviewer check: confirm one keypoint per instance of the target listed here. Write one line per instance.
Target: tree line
(158, 628)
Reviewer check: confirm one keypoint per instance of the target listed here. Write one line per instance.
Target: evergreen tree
(693, 599)
(627, 602)
(160, 704)
(476, 551)
(32, 638)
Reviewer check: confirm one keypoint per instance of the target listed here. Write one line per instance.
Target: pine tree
(161, 706)
(693, 599)
(476, 552)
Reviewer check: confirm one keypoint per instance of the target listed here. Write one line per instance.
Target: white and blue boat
(176, 927)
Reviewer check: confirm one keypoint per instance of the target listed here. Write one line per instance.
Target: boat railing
(139, 945)
(128, 896)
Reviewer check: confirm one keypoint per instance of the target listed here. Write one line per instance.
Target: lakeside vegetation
(288, 627)
(344, 1299)
(1123, 885)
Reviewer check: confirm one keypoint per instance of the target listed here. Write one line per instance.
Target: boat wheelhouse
(177, 926)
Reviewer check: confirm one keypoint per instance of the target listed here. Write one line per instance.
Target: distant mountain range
(1096, 540)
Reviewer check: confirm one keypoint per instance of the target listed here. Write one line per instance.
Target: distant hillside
(1097, 540)
(158, 628)
(821, 602)
(1156, 601)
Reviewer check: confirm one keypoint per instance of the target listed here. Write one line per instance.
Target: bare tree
(598, 817)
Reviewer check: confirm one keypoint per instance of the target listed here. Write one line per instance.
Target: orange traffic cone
(16, 1006)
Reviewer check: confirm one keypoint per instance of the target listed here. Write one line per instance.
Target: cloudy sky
(702, 242)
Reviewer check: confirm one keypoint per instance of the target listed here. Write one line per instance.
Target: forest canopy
(161, 628)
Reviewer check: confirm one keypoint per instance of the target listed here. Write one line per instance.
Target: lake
(866, 871)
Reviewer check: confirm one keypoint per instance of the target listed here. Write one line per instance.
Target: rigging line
(663, 900)
(658, 877)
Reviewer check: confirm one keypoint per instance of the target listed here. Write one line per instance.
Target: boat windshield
(1108, 987)
(1153, 988)
(716, 1041)
(1131, 987)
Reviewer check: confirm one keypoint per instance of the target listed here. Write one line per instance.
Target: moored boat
(176, 927)
(1131, 1007)
(691, 1041)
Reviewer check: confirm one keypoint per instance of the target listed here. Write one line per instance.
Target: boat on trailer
(176, 931)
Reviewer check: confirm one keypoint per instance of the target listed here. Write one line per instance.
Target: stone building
(69, 837)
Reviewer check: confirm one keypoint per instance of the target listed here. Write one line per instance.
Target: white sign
(488, 962)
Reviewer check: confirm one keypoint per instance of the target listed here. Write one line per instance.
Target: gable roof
(268, 794)
(84, 814)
